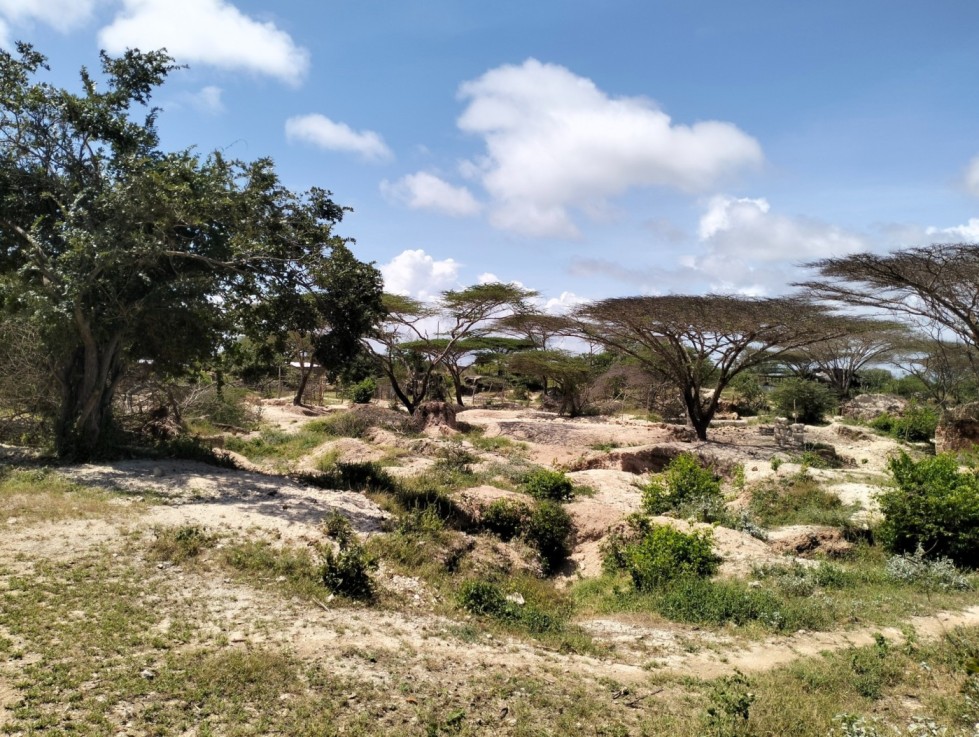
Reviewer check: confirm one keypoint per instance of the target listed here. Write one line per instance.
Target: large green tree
(118, 251)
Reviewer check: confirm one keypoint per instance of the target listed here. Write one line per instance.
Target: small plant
(665, 553)
(349, 424)
(915, 568)
(506, 518)
(455, 459)
(486, 599)
(738, 477)
(346, 571)
(180, 544)
(687, 488)
(730, 706)
(352, 476)
(555, 486)
(363, 391)
(776, 463)
(548, 530)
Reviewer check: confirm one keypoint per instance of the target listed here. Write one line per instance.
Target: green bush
(352, 476)
(347, 571)
(916, 424)
(935, 506)
(506, 518)
(685, 487)
(665, 553)
(542, 483)
(796, 500)
(363, 391)
(348, 424)
(486, 599)
(804, 401)
(549, 530)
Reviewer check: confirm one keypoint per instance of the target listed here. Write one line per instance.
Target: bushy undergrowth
(915, 568)
(486, 599)
(916, 424)
(664, 553)
(180, 544)
(935, 507)
(506, 518)
(796, 500)
(542, 483)
(686, 489)
(347, 570)
(802, 400)
(352, 476)
(548, 530)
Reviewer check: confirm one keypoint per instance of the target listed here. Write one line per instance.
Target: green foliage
(548, 530)
(180, 544)
(935, 506)
(916, 424)
(363, 391)
(796, 500)
(352, 476)
(939, 574)
(506, 518)
(542, 483)
(486, 599)
(730, 701)
(665, 554)
(802, 400)
(348, 424)
(346, 571)
(749, 395)
(686, 488)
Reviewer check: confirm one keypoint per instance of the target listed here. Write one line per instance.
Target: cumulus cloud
(972, 177)
(417, 274)
(62, 15)
(556, 142)
(424, 191)
(967, 233)
(212, 32)
(322, 132)
(751, 250)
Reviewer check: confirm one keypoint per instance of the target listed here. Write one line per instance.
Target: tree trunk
(304, 373)
(88, 384)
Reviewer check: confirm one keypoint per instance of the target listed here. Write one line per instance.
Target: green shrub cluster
(346, 571)
(935, 506)
(352, 476)
(664, 554)
(486, 599)
(685, 488)
(506, 518)
(916, 424)
(802, 400)
(363, 391)
(542, 483)
(548, 530)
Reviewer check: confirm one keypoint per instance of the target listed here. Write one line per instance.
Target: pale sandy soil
(240, 503)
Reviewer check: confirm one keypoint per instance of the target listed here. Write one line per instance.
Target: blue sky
(585, 149)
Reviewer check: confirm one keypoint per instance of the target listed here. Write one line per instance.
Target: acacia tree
(932, 286)
(415, 340)
(117, 251)
(702, 342)
(840, 358)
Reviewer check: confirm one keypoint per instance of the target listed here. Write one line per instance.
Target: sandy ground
(246, 502)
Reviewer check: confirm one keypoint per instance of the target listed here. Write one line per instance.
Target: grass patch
(180, 544)
(42, 495)
(273, 444)
(797, 500)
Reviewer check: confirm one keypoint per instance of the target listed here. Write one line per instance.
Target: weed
(180, 544)
(550, 485)
(796, 500)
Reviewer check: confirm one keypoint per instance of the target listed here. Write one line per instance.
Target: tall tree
(118, 251)
(700, 343)
(930, 286)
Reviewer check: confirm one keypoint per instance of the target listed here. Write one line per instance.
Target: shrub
(935, 506)
(180, 544)
(353, 476)
(455, 459)
(749, 395)
(940, 574)
(796, 500)
(486, 599)
(363, 391)
(542, 483)
(337, 527)
(506, 518)
(805, 401)
(665, 553)
(685, 487)
(347, 572)
(548, 530)
(349, 424)
(916, 424)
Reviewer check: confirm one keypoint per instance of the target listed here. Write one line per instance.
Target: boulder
(958, 429)
(868, 406)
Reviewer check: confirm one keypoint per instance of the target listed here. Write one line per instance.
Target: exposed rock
(437, 414)
(808, 540)
(869, 406)
(850, 433)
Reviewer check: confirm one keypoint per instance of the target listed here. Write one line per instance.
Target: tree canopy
(118, 251)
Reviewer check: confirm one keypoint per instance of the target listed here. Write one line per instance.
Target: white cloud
(5, 41)
(968, 233)
(210, 32)
(488, 278)
(563, 304)
(554, 141)
(62, 15)
(322, 132)
(424, 191)
(751, 250)
(207, 100)
(972, 176)
(417, 274)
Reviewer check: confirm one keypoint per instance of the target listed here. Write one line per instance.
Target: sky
(584, 149)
